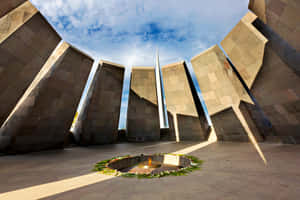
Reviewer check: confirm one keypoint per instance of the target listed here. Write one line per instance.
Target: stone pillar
(44, 114)
(143, 117)
(282, 16)
(275, 84)
(180, 102)
(7, 6)
(22, 55)
(102, 116)
(14, 19)
(222, 91)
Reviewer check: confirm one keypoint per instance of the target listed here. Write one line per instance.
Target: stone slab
(143, 117)
(22, 56)
(102, 116)
(180, 101)
(46, 122)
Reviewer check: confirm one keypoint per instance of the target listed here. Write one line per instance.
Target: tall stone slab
(8, 5)
(282, 16)
(245, 47)
(15, 19)
(143, 117)
(277, 90)
(180, 103)
(276, 85)
(22, 56)
(100, 125)
(47, 116)
(223, 93)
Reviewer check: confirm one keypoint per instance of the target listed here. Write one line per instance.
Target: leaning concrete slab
(281, 16)
(15, 19)
(276, 85)
(8, 5)
(143, 117)
(180, 102)
(44, 118)
(222, 92)
(100, 125)
(277, 90)
(245, 47)
(22, 56)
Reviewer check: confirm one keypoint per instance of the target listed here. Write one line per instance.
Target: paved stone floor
(230, 171)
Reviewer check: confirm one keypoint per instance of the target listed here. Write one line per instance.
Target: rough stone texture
(283, 49)
(221, 91)
(25, 103)
(168, 134)
(228, 127)
(180, 101)
(15, 19)
(143, 117)
(7, 5)
(46, 124)
(245, 46)
(190, 128)
(143, 83)
(101, 123)
(277, 90)
(277, 85)
(230, 171)
(21, 57)
(282, 16)
(220, 87)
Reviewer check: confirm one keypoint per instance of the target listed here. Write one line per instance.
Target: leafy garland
(103, 169)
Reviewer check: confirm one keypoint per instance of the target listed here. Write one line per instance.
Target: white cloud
(119, 29)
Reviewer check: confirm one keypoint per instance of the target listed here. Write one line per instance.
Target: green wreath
(103, 169)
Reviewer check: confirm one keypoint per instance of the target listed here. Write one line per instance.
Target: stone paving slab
(230, 171)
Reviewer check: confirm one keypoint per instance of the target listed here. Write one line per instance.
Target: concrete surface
(143, 117)
(180, 103)
(100, 125)
(245, 47)
(22, 55)
(282, 16)
(230, 171)
(51, 106)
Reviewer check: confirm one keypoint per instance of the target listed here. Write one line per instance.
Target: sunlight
(249, 132)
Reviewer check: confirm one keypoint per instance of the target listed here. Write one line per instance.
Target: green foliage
(102, 168)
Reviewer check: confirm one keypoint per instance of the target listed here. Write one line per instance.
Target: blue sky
(128, 32)
(117, 29)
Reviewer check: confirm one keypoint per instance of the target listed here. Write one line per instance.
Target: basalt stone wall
(143, 83)
(47, 122)
(100, 125)
(143, 121)
(277, 90)
(143, 117)
(277, 85)
(22, 55)
(180, 102)
(282, 16)
(222, 92)
(190, 128)
(168, 134)
(7, 5)
(228, 127)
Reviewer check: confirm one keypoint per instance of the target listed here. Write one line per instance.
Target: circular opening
(149, 166)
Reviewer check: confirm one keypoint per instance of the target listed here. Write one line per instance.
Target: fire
(149, 161)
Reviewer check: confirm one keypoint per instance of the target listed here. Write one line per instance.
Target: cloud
(119, 29)
(128, 32)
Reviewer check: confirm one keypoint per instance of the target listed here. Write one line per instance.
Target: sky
(128, 32)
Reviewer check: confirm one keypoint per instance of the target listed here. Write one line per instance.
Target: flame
(149, 161)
